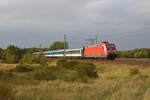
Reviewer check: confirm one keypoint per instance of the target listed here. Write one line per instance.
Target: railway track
(134, 62)
(124, 61)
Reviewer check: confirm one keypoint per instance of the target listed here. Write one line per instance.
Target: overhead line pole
(40, 46)
(96, 40)
(64, 45)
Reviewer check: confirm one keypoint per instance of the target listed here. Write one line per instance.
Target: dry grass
(114, 83)
(4, 66)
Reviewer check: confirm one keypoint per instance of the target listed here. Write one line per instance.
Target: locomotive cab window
(111, 47)
(108, 47)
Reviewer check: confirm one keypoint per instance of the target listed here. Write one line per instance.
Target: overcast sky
(27, 23)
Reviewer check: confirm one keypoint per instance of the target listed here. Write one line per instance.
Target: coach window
(77, 52)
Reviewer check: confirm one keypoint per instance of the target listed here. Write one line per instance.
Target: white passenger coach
(60, 53)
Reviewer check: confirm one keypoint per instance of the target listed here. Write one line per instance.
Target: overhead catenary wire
(114, 37)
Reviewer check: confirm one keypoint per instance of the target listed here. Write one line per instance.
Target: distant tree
(58, 45)
(30, 50)
(12, 54)
(136, 53)
(29, 58)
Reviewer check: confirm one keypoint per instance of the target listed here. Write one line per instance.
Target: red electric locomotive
(104, 50)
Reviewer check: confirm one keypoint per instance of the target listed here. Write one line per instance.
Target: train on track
(105, 50)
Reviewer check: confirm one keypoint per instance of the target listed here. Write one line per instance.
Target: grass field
(115, 82)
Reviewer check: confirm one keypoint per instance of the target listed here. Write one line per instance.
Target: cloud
(48, 20)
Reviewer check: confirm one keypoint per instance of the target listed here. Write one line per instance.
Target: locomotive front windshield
(111, 47)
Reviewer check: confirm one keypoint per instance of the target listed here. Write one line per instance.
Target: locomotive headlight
(114, 50)
(105, 49)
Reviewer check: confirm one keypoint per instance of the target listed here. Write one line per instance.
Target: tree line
(136, 53)
(14, 54)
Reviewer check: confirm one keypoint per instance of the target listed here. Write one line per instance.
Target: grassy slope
(114, 83)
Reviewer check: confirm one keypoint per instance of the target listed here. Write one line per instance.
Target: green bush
(86, 70)
(62, 62)
(134, 71)
(72, 64)
(35, 59)
(31, 59)
(90, 69)
(55, 73)
(71, 76)
(23, 68)
(49, 73)
(12, 54)
(27, 58)
(46, 73)
(43, 60)
(66, 70)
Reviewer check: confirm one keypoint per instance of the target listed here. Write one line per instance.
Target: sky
(29, 23)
